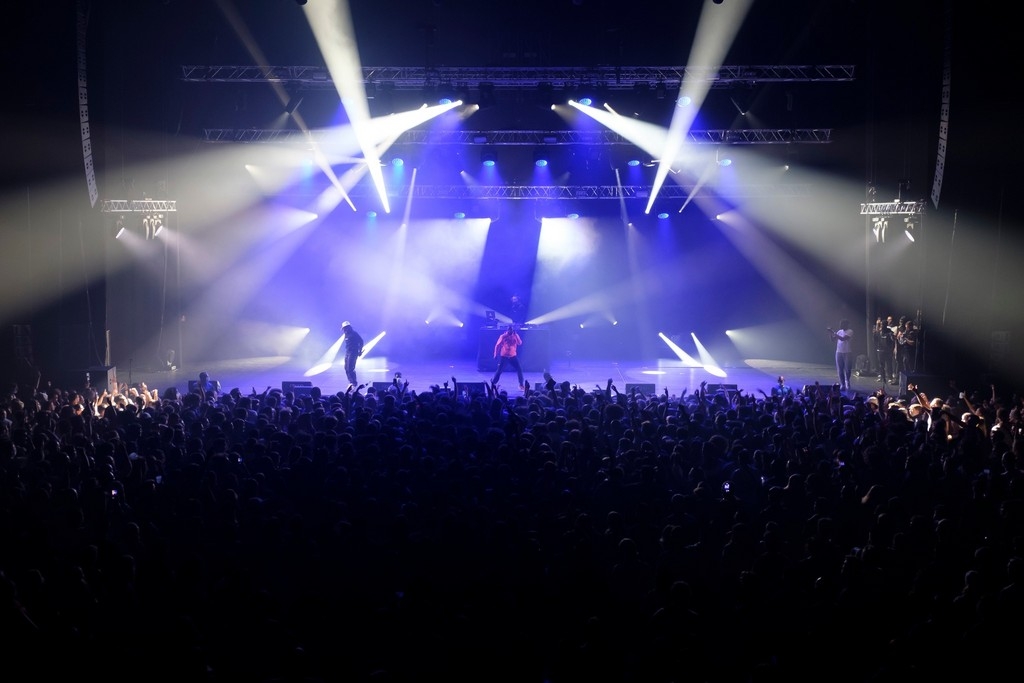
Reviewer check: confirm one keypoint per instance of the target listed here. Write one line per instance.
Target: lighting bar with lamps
(463, 191)
(893, 208)
(712, 136)
(138, 206)
(529, 78)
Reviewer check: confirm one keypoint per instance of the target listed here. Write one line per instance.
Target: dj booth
(534, 355)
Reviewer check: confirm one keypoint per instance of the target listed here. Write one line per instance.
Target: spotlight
(488, 157)
(878, 229)
(663, 215)
(633, 162)
(120, 228)
(157, 224)
(445, 93)
(909, 229)
(586, 101)
(540, 158)
(398, 162)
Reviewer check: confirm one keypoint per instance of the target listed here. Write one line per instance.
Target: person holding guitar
(844, 352)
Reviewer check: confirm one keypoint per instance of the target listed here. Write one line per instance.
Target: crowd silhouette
(563, 534)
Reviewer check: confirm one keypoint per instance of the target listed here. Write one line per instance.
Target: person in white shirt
(844, 352)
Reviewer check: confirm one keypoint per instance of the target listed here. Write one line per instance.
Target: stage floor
(256, 374)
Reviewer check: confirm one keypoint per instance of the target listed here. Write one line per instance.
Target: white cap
(346, 324)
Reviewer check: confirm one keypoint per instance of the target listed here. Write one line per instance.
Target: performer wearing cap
(353, 349)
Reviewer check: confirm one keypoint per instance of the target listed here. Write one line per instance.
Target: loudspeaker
(729, 389)
(645, 389)
(287, 386)
(473, 388)
(381, 387)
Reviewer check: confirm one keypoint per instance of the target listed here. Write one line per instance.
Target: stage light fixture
(120, 228)
(909, 229)
(488, 157)
(879, 224)
(540, 158)
(445, 94)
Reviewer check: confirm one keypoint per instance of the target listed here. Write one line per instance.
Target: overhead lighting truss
(138, 205)
(894, 208)
(719, 136)
(523, 78)
(463, 191)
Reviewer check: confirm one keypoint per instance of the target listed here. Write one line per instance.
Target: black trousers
(350, 367)
(504, 361)
(886, 364)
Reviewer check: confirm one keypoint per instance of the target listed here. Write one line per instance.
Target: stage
(256, 374)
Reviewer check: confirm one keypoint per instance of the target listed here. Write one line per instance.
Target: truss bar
(577, 192)
(138, 205)
(263, 135)
(753, 136)
(519, 78)
(893, 208)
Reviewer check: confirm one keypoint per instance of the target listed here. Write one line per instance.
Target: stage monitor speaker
(472, 389)
(290, 386)
(729, 389)
(645, 389)
(381, 387)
